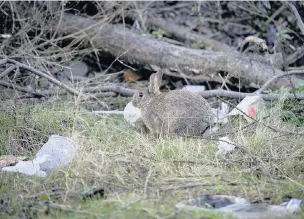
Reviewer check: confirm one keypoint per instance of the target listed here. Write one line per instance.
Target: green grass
(143, 176)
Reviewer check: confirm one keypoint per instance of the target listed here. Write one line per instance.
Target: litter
(194, 88)
(248, 106)
(131, 113)
(225, 146)
(56, 152)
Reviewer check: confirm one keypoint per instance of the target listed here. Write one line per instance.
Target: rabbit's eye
(140, 94)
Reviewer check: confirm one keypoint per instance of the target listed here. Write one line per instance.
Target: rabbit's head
(142, 98)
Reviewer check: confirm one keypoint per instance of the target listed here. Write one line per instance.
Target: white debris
(294, 205)
(194, 88)
(6, 36)
(221, 113)
(225, 146)
(114, 112)
(248, 106)
(131, 113)
(56, 152)
(26, 167)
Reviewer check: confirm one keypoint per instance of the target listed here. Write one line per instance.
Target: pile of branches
(233, 48)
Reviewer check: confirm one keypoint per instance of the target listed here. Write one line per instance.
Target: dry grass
(143, 175)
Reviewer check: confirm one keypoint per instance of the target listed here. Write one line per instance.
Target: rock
(76, 70)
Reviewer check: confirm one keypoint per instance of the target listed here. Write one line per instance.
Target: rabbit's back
(178, 112)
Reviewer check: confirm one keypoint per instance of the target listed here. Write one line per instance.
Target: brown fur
(176, 112)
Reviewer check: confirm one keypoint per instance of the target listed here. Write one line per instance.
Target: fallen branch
(7, 71)
(130, 92)
(19, 88)
(299, 53)
(108, 88)
(240, 95)
(271, 80)
(149, 51)
(41, 74)
(187, 186)
(185, 34)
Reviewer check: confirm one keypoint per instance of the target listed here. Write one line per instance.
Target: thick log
(184, 34)
(148, 51)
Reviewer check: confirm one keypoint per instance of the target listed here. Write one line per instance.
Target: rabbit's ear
(151, 84)
(158, 77)
(155, 82)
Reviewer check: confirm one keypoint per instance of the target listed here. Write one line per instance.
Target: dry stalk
(44, 75)
(298, 17)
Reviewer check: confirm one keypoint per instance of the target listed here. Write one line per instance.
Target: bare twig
(130, 92)
(271, 80)
(298, 17)
(100, 112)
(7, 71)
(201, 78)
(299, 53)
(69, 209)
(186, 34)
(19, 88)
(104, 94)
(107, 88)
(240, 95)
(41, 74)
(274, 15)
(3, 61)
(187, 186)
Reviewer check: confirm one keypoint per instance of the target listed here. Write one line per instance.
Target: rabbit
(176, 112)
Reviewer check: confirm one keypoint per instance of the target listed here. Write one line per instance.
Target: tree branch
(298, 17)
(186, 34)
(7, 71)
(130, 92)
(41, 74)
(271, 80)
(240, 95)
(148, 51)
(19, 88)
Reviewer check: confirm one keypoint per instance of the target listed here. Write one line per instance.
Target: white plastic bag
(58, 151)
(225, 146)
(248, 106)
(131, 113)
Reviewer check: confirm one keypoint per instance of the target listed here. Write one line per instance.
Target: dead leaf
(131, 76)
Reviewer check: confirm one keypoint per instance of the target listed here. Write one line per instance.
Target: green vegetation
(159, 33)
(143, 176)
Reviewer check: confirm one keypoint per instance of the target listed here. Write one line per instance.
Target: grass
(143, 176)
